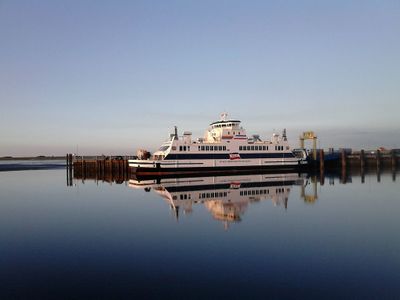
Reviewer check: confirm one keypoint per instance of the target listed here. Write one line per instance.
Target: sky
(109, 77)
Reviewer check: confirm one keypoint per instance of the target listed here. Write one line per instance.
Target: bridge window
(252, 148)
(207, 148)
(180, 148)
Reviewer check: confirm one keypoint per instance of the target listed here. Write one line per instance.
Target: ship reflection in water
(225, 197)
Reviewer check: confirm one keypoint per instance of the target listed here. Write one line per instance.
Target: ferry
(224, 147)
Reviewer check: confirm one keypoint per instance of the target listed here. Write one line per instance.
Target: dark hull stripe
(226, 155)
(193, 188)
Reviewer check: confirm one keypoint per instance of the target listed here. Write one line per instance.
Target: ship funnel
(176, 132)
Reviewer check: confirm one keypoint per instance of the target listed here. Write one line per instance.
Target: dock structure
(116, 168)
(104, 168)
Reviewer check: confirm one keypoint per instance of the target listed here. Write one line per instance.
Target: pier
(103, 168)
(116, 168)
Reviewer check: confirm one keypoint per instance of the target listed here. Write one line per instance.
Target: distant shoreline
(41, 157)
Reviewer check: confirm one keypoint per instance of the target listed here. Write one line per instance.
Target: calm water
(261, 236)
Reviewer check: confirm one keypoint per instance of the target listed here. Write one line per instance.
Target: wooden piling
(321, 160)
(362, 159)
(343, 158)
(378, 159)
(393, 159)
(343, 163)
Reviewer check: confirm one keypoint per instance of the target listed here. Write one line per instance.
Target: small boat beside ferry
(224, 147)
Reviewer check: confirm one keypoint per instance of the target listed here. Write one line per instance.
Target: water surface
(292, 238)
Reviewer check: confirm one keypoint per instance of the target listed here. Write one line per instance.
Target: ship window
(211, 148)
(180, 148)
(207, 148)
(184, 148)
(199, 148)
(224, 148)
(202, 148)
(220, 148)
(188, 148)
(256, 147)
(267, 147)
(252, 147)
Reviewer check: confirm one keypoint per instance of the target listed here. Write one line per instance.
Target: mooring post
(378, 159)
(343, 161)
(378, 165)
(343, 158)
(362, 165)
(393, 159)
(322, 166)
(362, 159)
(321, 160)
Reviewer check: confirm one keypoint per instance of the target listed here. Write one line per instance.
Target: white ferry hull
(148, 167)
